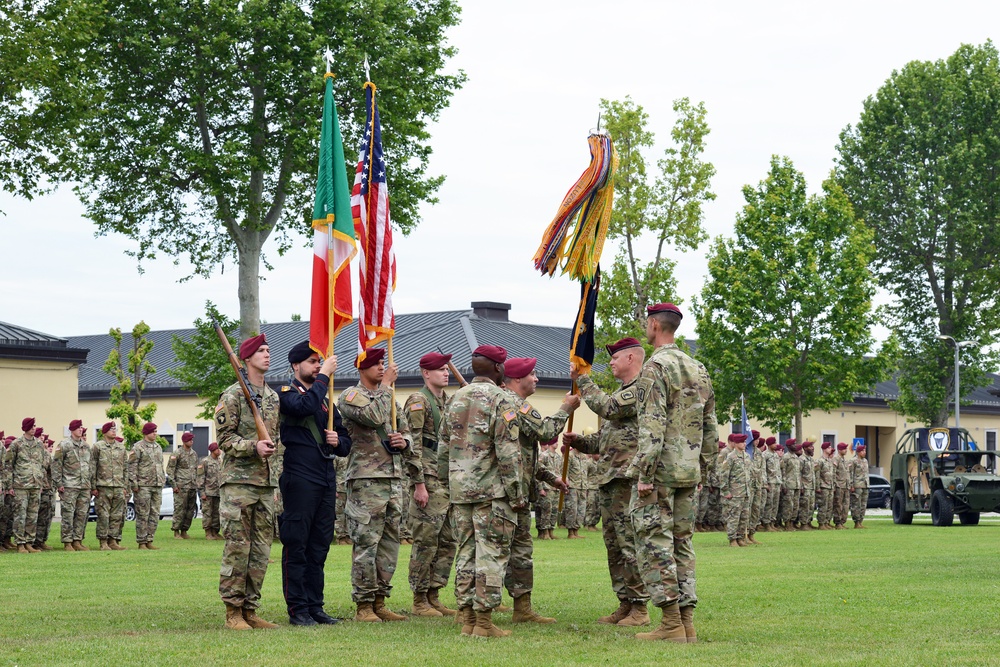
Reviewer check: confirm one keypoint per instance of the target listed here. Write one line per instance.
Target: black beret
(300, 352)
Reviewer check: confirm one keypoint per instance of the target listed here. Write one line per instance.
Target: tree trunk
(798, 416)
(248, 258)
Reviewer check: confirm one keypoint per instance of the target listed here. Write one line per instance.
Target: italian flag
(333, 236)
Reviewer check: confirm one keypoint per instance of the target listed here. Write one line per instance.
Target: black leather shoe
(324, 618)
(302, 618)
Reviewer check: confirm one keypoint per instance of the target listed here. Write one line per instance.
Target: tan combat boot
(255, 621)
(433, 601)
(384, 612)
(687, 620)
(741, 542)
(734, 543)
(839, 526)
(234, 618)
(116, 545)
(104, 545)
(502, 609)
(78, 545)
(552, 536)
(485, 628)
(624, 607)
(366, 614)
(637, 616)
(467, 617)
(177, 534)
(149, 545)
(750, 539)
(184, 535)
(671, 628)
(421, 607)
(31, 548)
(41, 546)
(143, 546)
(859, 524)
(22, 549)
(523, 613)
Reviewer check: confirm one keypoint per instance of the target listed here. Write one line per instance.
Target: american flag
(370, 209)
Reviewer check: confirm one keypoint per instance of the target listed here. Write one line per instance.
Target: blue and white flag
(745, 428)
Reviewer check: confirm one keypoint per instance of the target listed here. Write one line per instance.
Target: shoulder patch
(525, 408)
(416, 406)
(220, 416)
(536, 414)
(642, 388)
(220, 407)
(627, 395)
(173, 458)
(510, 415)
(351, 393)
(285, 388)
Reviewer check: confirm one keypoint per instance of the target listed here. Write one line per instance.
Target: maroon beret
(372, 357)
(771, 441)
(664, 308)
(722, 445)
(737, 437)
(188, 435)
(213, 446)
(433, 361)
(118, 438)
(494, 353)
(807, 443)
(39, 431)
(251, 345)
(107, 427)
(842, 446)
(623, 344)
(796, 447)
(148, 428)
(519, 367)
(27, 423)
(756, 434)
(551, 442)
(861, 446)
(790, 442)
(826, 445)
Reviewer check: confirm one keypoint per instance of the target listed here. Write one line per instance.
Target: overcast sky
(776, 77)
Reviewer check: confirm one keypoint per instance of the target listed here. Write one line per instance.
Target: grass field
(889, 595)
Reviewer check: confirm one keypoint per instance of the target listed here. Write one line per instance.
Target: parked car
(166, 505)
(879, 492)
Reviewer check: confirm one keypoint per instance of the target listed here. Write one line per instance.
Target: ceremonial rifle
(253, 399)
(454, 371)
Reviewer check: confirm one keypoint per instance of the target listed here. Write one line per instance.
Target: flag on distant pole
(370, 209)
(745, 428)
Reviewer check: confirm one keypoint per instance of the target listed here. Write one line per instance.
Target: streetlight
(958, 346)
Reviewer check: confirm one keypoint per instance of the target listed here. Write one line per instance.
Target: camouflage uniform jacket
(237, 436)
(547, 461)
(791, 472)
(712, 471)
(25, 464)
(616, 440)
(145, 465)
(207, 476)
(576, 475)
(47, 468)
(71, 465)
(420, 414)
(858, 470)
(808, 472)
(772, 468)
(841, 472)
(757, 472)
(110, 464)
(735, 476)
(365, 412)
(824, 473)
(532, 429)
(678, 433)
(182, 469)
(340, 468)
(479, 457)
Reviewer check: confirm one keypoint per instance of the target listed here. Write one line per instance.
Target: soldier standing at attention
(308, 483)
(521, 381)
(593, 514)
(824, 487)
(375, 484)
(714, 514)
(841, 486)
(859, 486)
(616, 444)
(182, 469)
(575, 501)
(145, 471)
(677, 436)
(340, 529)
(807, 500)
(24, 476)
(248, 480)
(111, 482)
(791, 485)
(545, 506)
(772, 469)
(479, 460)
(735, 485)
(46, 505)
(757, 491)
(208, 491)
(71, 474)
(433, 552)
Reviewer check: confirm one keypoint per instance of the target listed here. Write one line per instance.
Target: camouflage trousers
(110, 506)
(619, 541)
(26, 503)
(574, 508)
(824, 506)
(6, 517)
(340, 527)
(758, 496)
(736, 511)
(147, 513)
(788, 507)
(484, 532)
(519, 577)
(770, 514)
(374, 510)
(664, 522)
(713, 506)
(593, 515)
(807, 504)
(74, 504)
(543, 509)
(405, 520)
(841, 503)
(46, 510)
(185, 507)
(701, 504)
(247, 516)
(433, 552)
(210, 514)
(859, 503)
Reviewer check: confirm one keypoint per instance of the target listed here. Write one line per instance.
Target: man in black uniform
(308, 483)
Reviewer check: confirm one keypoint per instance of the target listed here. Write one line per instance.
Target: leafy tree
(920, 167)
(192, 128)
(204, 366)
(785, 316)
(130, 372)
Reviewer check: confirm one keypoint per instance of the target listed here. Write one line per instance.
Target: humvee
(939, 470)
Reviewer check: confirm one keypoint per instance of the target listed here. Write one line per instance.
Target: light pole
(958, 346)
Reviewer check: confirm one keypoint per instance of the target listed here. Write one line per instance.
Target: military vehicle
(939, 470)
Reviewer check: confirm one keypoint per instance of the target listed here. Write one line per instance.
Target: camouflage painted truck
(940, 470)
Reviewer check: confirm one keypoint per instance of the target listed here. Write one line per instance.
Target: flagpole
(565, 466)
(392, 387)
(332, 289)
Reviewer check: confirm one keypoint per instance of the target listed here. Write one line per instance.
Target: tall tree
(920, 167)
(204, 365)
(197, 132)
(130, 369)
(785, 316)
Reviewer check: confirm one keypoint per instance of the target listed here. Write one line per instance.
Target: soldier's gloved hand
(397, 441)
(568, 439)
(570, 403)
(420, 495)
(265, 448)
(329, 366)
(332, 438)
(574, 371)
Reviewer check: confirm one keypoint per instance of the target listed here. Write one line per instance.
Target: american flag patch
(510, 415)
(417, 406)
(525, 408)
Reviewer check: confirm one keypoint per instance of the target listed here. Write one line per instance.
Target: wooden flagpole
(392, 387)
(565, 466)
(329, 332)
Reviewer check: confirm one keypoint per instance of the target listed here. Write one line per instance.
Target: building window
(991, 439)
(784, 435)
(830, 436)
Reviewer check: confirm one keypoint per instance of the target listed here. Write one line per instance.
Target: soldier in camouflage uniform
(46, 505)
(71, 474)
(375, 484)
(859, 486)
(807, 499)
(248, 480)
(24, 473)
(340, 527)
(791, 485)
(5, 493)
(616, 443)
(207, 480)
(521, 381)
(772, 474)
(182, 469)
(677, 439)
(736, 487)
(479, 460)
(145, 473)
(593, 514)
(433, 552)
(824, 487)
(110, 470)
(703, 496)
(841, 486)
(548, 497)
(758, 493)
(575, 502)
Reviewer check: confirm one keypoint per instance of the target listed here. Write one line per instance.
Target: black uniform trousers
(306, 528)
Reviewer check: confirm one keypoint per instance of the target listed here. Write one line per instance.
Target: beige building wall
(45, 390)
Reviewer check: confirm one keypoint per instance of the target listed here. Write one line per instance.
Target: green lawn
(889, 595)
